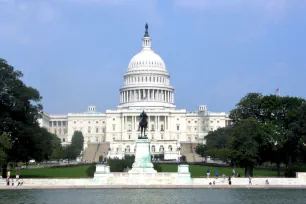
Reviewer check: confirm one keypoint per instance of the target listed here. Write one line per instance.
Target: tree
(77, 140)
(70, 152)
(281, 114)
(200, 149)
(20, 109)
(58, 154)
(5, 145)
(247, 144)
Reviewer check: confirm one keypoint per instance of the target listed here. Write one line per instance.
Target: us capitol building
(146, 87)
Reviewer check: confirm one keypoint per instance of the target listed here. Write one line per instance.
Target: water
(154, 196)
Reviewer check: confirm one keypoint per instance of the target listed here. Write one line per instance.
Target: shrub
(118, 165)
(291, 171)
(90, 171)
(157, 167)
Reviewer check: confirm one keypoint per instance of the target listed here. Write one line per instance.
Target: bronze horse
(143, 124)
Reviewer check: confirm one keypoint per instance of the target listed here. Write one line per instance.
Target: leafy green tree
(77, 140)
(19, 112)
(58, 154)
(219, 138)
(5, 145)
(247, 143)
(70, 152)
(200, 149)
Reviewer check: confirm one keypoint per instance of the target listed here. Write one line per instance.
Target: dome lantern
(146, 40)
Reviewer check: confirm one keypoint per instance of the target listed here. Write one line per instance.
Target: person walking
(233, 172)
(217, 174)
(229, 180)
(208, 173)
(250, 180)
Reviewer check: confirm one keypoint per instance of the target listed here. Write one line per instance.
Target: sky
(75, 52)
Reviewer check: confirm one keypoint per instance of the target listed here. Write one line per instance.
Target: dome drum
(147, 82)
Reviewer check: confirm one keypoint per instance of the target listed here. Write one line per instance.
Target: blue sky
(75, 52)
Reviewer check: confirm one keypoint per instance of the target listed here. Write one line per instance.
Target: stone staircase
(188, 150)
(94, 151)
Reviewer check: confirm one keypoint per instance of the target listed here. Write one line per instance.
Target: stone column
(155, 123)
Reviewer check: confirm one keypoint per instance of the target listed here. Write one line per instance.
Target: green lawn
(55, 172)
(200, 171)
(80, 171)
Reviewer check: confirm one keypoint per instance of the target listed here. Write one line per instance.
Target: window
(74, 122)
(63, 139)
(113, 119)
(177, 127)
(188, 121)
(114, 127)
(97, 122)
(161, 137)
(177, 119)
(89, 129)
(153, 148)
(195, 138)
(195, 121)
(152, 137)
(152, 127)
(218, 121)
(103, 121)
(162, 127)
(195, 128)
(211, 121)
(103, 129)
(211, 129)
(97, 130)
(88, 122)
(170, 148)
(161, 148)
(129, 137)
(60, 131)
(127, 149)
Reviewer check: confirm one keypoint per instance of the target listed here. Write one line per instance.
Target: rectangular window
(114, 127)
(162, 137)
(177, 127)
(89, 129)
(97, 130)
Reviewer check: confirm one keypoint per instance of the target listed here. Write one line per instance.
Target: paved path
(156, 187)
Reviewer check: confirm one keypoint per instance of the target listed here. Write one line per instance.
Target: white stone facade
(146, 87)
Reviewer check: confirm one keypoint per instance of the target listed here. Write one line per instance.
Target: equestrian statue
(143, 124)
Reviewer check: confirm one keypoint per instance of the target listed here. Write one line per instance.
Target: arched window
(127, 149)
(170, 148)
(161, 148)
(153, 148)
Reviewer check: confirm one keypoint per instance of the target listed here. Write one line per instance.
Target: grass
(81, 171)
(197, 171)
(55, 172)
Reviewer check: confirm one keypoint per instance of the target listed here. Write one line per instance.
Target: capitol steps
(188, 150)
(94, 151)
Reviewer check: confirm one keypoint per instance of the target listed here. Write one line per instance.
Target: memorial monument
(142, 162)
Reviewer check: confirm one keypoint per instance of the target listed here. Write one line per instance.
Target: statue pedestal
(142, 162)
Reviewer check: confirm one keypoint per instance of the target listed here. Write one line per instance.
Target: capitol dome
(146, 82)
(147, 59)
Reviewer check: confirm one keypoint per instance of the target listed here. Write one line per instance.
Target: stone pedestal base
(142, 162)
(102, 174)
(183, 174)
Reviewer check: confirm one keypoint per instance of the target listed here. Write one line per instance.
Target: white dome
(147, 59)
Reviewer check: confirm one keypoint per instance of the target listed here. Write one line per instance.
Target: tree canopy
(265, 128)
(20, 109)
